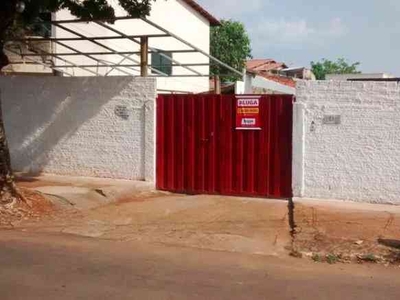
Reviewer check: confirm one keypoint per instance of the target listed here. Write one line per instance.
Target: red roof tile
(253, 63)
(193, 4)
(264, 65)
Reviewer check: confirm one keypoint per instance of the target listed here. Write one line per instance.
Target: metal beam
(87, 55)
(22, 62)
(104, 46)
(130, 66)
(180, 76)
(107, 53)
(50, 39)
(125, 57)
(96, 43)
(132, 38)
(122, 60)
(193, 47)
(151, 48)
(92, 20)
(83, 68)
(39, 63)
(69, 62)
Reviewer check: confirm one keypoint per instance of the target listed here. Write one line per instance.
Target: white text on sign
(248, 122)
(248, 103)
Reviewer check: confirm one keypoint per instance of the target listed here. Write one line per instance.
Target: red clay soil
(346, 234)
(36, 208)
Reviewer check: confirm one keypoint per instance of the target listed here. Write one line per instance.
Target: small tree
(15, 17)
(325, 67)
(230, 43)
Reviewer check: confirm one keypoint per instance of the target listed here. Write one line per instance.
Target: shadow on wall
(40, 113)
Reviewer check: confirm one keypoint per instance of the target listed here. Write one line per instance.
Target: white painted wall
(345, 77)
(252, 82)
(360, 158)
(69, 126)
(263, 83)
(173, 15)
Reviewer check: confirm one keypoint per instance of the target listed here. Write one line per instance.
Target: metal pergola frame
(128, 63)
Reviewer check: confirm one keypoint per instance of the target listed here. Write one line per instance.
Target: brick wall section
(84, 126)
(356, 160)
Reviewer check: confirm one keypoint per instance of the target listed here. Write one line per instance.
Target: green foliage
(230, 43)
(340, 66)
(86, 9)
(369, 258)
(12, 22)
(332, 259)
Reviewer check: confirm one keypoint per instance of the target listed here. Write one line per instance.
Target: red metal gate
(199, 149)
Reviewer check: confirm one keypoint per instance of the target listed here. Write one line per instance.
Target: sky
(300, 31)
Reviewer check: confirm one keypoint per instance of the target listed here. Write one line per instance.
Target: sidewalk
(134, 211)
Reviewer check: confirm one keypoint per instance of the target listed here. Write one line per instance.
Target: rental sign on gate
(248, 113)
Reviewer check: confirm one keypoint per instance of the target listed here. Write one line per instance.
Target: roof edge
(213, 20)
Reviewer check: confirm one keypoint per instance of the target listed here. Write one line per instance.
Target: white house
(182, 18)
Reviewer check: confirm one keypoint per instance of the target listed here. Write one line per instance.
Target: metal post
(217, 85)
(144, 56)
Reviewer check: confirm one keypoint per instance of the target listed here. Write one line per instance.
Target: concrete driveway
(133, 211)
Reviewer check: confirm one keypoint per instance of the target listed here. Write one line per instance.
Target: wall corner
(298, 150)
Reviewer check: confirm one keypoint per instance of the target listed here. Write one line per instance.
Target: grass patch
(332, 258)
(372, 258)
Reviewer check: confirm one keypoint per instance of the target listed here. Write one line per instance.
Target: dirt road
(48, 266)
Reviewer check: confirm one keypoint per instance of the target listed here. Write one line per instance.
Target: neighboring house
(267, 76)
(184, 18)
(298, 73)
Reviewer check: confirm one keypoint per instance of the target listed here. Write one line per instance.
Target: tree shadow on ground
(26, 179)
(395, 244)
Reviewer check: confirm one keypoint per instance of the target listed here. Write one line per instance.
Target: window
(161, 63)
(42, 26)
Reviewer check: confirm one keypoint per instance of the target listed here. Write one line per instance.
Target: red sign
(248, 113)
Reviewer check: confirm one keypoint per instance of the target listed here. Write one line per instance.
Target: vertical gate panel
(160, 140)
(179, 142)
(200, 151)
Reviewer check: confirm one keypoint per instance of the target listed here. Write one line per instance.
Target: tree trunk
(8, 189)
